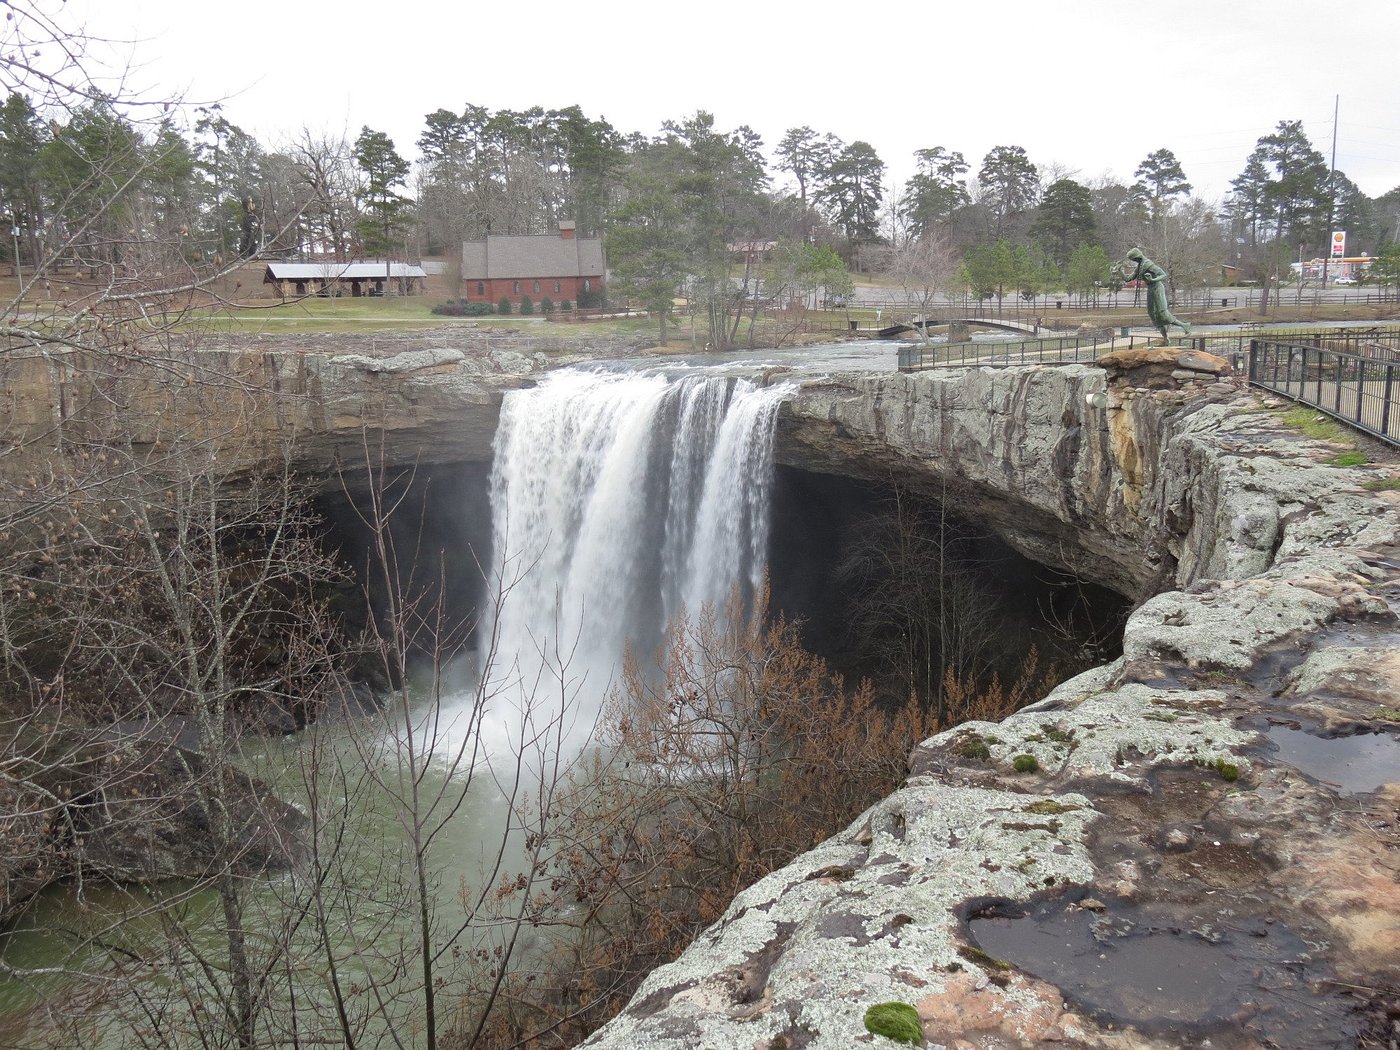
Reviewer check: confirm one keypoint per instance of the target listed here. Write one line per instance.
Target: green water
(112, 966)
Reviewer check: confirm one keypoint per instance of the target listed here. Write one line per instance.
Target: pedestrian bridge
(1006, 326)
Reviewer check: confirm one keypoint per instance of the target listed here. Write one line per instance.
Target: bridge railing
(1359, 390)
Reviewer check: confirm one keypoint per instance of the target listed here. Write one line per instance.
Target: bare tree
(327, 170)
(919, 609)
(926, 269)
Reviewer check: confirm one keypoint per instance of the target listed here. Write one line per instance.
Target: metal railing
(1044, 307)
(1378, 342)
(1000, 353)
(1356, 389)
(1382, 343)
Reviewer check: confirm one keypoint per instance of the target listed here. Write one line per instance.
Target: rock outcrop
(333, 402)
(1197, 844)
(132, 802)
(1069, 464)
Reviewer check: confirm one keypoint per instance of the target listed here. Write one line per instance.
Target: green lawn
(328, 315)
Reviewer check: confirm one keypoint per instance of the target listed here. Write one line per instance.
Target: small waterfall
(617, 501)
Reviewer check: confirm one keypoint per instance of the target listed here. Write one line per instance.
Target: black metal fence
(1043, 308)
(1357, 389)
(1381, 343)
(1366, 341)
(1351, 374)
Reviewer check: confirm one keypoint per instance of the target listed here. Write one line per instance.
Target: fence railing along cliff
(1356, 388)
(1348, 373)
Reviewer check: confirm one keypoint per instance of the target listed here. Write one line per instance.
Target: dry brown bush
(734, 753)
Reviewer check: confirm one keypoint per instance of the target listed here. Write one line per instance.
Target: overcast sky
(1087, 87)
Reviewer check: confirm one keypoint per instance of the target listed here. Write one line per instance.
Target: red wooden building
(554, 266)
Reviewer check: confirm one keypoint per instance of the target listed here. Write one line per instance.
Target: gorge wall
(1220, 798)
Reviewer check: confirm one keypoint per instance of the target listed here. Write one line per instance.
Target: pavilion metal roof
(339, 271)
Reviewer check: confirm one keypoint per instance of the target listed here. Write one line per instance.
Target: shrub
(462, 308)
(590, 300)
(792, 780)
(503, 307)
(1025, 764)
(546, 305)
(566, 306)
(527, 305)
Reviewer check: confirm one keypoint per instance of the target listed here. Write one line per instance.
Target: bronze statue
(1156, 280)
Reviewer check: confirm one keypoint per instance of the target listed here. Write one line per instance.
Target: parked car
(1344, 280)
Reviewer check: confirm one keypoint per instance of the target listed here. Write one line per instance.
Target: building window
(587, 285)
(537, 287)
(515, 288)
(556, 288)
(480, 287)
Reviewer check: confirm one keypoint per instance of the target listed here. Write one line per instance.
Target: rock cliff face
(1071, 483)
(333, 401)
(1195, 844)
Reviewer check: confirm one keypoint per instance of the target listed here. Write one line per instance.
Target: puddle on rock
(1355, 765)
(1209, 972)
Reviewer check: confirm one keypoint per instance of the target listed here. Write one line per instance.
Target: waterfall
(619, 499)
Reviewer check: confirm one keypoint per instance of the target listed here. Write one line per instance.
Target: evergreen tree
(21, 187)
(230, 162)
(1160, 178)
(1064, 219)
(1249, 200)
(386, 210)
(852, 189)
(1009, 183)
(937, 189)
(1285, 184)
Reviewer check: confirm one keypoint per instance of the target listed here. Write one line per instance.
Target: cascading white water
(618, 500)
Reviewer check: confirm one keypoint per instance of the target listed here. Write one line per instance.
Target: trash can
(1224, 302)
(1059, 305)
(855, 325)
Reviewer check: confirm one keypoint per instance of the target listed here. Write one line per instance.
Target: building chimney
(566, 229)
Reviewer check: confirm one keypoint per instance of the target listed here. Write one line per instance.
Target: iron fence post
(1385, 402)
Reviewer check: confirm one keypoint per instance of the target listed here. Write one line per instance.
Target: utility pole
(1331, 192)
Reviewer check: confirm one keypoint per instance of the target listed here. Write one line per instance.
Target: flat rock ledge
(1198, 844)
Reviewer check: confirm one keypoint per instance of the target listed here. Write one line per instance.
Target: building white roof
(339, 271)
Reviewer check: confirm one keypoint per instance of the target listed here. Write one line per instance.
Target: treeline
(97, 188)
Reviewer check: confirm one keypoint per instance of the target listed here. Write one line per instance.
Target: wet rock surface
(1178, 867)
(1212, 971)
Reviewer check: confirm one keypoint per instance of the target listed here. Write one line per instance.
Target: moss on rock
(897, 1021)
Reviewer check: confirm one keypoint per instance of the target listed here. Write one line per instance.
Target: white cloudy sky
(1086, 85)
